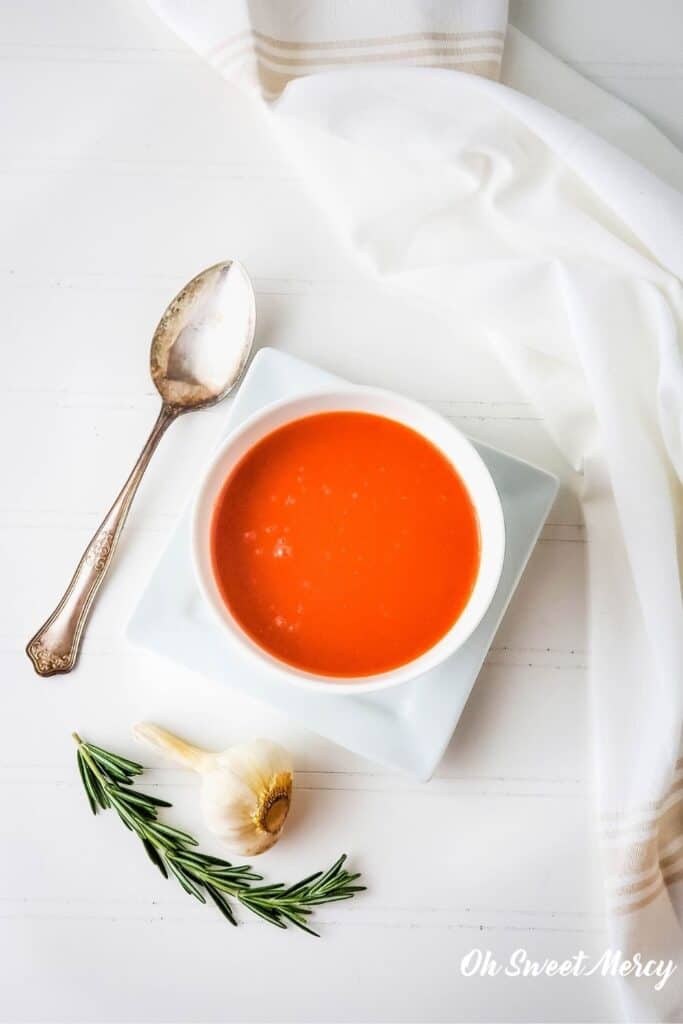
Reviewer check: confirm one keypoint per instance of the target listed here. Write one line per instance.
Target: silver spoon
(199, 351)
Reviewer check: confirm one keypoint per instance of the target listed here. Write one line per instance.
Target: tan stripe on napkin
(252, 57)
(352, 44)
(643, 850)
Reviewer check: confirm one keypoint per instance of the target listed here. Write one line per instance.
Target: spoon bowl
(199, 352)
(190, 363)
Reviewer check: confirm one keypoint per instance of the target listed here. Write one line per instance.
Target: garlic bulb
(245, 791)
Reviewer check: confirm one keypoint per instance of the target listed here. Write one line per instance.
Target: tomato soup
(345, 544)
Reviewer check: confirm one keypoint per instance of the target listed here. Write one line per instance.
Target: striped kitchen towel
(265, 44)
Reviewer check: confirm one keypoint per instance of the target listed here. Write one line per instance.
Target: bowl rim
(206, 582)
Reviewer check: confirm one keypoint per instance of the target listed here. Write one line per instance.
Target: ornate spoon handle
(54, 648)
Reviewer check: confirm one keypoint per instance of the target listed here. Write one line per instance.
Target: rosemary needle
(107, 779)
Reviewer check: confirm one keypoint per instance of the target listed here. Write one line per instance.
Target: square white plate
(407, 726)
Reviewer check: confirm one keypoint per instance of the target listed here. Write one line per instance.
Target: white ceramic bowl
(457, 449)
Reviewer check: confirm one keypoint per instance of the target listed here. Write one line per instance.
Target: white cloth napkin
(527, 230)
(262, 45)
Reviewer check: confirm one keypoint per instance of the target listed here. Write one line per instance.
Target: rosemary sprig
(106, 778)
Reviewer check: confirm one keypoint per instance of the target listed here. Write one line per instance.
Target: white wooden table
(125, 166)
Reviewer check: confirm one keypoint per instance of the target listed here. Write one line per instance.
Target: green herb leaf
(87, 785)
(154, 856)
(222, 904)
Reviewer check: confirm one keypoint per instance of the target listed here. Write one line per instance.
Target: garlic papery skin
(246, 791)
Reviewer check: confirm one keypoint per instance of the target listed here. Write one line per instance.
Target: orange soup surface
(345, 544)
